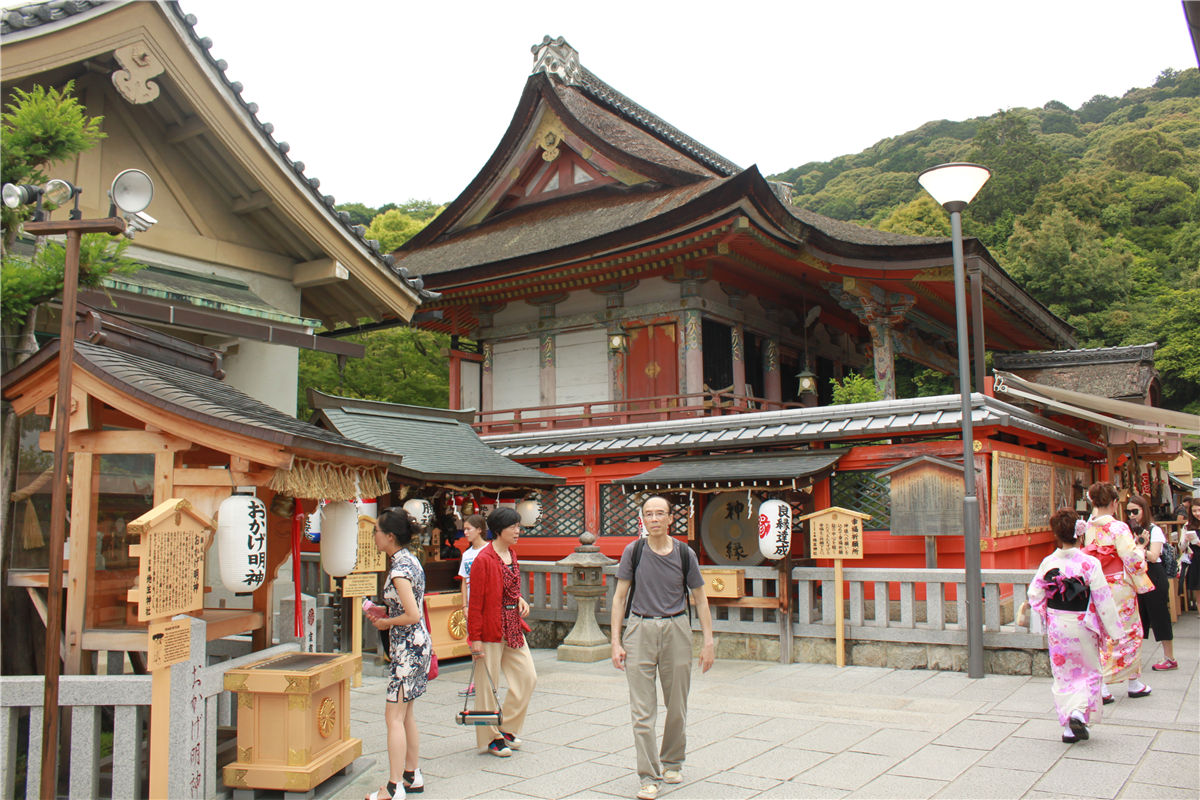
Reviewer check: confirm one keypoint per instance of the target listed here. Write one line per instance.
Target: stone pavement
(765, 730)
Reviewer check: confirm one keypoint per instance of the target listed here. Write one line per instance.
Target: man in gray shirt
(657, 642)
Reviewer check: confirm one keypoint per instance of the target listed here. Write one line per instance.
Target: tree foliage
(1095, 211)
(854, 388)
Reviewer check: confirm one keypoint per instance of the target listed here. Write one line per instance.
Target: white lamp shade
(242, 542)
(954, 183)
(132, 190)
(530, 511)
(420, 510)
(774, 529)
(339, 538)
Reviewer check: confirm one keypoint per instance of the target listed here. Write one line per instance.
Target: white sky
(387, 101)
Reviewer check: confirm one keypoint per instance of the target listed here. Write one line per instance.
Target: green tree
(921, 216)
(359, 214)
(854, 388)
(1147, 151)
(393, 228)
(1021, 164)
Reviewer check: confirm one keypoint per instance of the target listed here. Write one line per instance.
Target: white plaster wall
(515, 374)
(581, 372)
(266, 372)
(517, 312)
(581, 301)
(654, 290)
(470, 391)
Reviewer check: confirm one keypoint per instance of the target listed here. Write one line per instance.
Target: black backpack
(684, 561)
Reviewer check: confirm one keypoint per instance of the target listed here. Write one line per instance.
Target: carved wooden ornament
(138, 66)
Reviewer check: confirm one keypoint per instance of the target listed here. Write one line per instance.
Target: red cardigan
(487, 588)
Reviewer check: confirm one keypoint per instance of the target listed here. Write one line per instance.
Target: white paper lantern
(312, 525)
(530, 511)
(774, 529)
(420, 510)
(242, 542)
(339, 538)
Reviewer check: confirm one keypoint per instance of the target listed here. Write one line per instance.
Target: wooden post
(160, 727)
(356, 632)
(839, 621)
(784, 582)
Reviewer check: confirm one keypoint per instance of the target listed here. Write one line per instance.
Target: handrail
(628, 410)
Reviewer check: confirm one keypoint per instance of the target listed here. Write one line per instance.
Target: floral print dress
(409, 646)
(1120, 656)
(1075, 638)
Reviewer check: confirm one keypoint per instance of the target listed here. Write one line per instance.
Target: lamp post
(131, 192)
(953, 186)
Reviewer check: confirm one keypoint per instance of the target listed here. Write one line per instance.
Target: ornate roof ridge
(557, 58)
(33, 15)
(1076, 358)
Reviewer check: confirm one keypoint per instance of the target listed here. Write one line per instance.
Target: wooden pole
(838, 613)
(356, 614)
(160, 730)
(74, 230)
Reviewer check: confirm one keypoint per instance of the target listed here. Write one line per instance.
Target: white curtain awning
(1102, 410)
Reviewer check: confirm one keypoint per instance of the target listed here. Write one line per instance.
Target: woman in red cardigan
(496, 633)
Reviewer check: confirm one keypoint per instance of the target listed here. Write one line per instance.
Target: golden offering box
(447, 624)
(293, 728)
(724, 582)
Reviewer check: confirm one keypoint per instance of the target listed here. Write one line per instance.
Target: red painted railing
(620, 412)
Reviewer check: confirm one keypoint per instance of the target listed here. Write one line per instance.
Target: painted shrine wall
(515, 374)
(470, 386)
(581, 372)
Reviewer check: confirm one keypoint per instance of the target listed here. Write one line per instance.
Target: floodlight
(18, 195)
(132, 190)
(58, 191)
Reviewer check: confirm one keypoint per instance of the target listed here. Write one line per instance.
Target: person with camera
(1153, 606)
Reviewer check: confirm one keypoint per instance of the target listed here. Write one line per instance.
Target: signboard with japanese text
(360, 584)
(169, 643)
(170, 551)
(835, 533)
(370, 558)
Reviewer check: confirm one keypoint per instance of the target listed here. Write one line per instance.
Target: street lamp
(953, 186)
(131, 193)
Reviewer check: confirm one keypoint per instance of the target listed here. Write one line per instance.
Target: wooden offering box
(447, 625)
(293, 721)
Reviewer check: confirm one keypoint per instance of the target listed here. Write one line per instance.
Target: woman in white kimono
(1076, 605)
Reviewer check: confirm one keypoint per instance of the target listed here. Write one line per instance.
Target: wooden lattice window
(865, 492)
(562, 513)
(619, 514)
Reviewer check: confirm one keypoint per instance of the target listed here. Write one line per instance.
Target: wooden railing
(620, 412)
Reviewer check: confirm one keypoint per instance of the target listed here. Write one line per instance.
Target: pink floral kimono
(1076, 605)
(1124, 568)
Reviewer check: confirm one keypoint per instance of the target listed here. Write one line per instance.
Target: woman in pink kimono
(1075, 603)
(1124, 563)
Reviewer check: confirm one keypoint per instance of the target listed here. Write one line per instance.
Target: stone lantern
(586, 642)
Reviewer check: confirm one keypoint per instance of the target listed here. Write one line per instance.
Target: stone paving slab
(773, 731)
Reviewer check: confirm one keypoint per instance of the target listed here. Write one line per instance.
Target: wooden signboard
(170, 643)
(363, 581)
(370, 558)
(836, 533)
(1026, 491)
(360, 584)
(172, 538)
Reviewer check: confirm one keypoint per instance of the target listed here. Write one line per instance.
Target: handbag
(466, 717)
(433, 659)
(1169, 560)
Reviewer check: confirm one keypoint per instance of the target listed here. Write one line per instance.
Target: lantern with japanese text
(339, 538)
(774, 529)
(312, 525)
(420, 510)
(530, 511)
(242, 542)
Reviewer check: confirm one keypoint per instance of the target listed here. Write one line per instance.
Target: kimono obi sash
(1066, 594)
(1110, 563)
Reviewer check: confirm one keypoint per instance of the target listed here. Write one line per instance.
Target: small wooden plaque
(724, 582)
(169, 643)
(835, 532)
(360, 584)
(172, 539)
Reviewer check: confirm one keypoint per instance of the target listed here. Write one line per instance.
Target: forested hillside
(1095, 210)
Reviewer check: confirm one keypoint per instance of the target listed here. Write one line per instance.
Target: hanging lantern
(530, 511)
(774, 529)
(420, 510)
(339, 538)
(242, 542)
(312, 525)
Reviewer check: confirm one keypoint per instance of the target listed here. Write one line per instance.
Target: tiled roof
(1073, 358)
(789, 427)
(738, 470)
(435, 445)
(202, 398)
(28, 17)
(1113, 372)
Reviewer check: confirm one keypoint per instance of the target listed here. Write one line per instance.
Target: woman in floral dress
(1124, 565)
(409, 648)
(1076, 605)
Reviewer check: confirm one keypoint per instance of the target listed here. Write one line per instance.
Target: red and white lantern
(774, 529)
(339, 538)
(242, 542)
(530, 511)
(420, 510)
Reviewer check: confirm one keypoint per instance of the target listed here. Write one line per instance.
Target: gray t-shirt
(658, 591)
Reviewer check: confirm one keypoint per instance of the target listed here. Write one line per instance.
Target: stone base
(584, 654)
